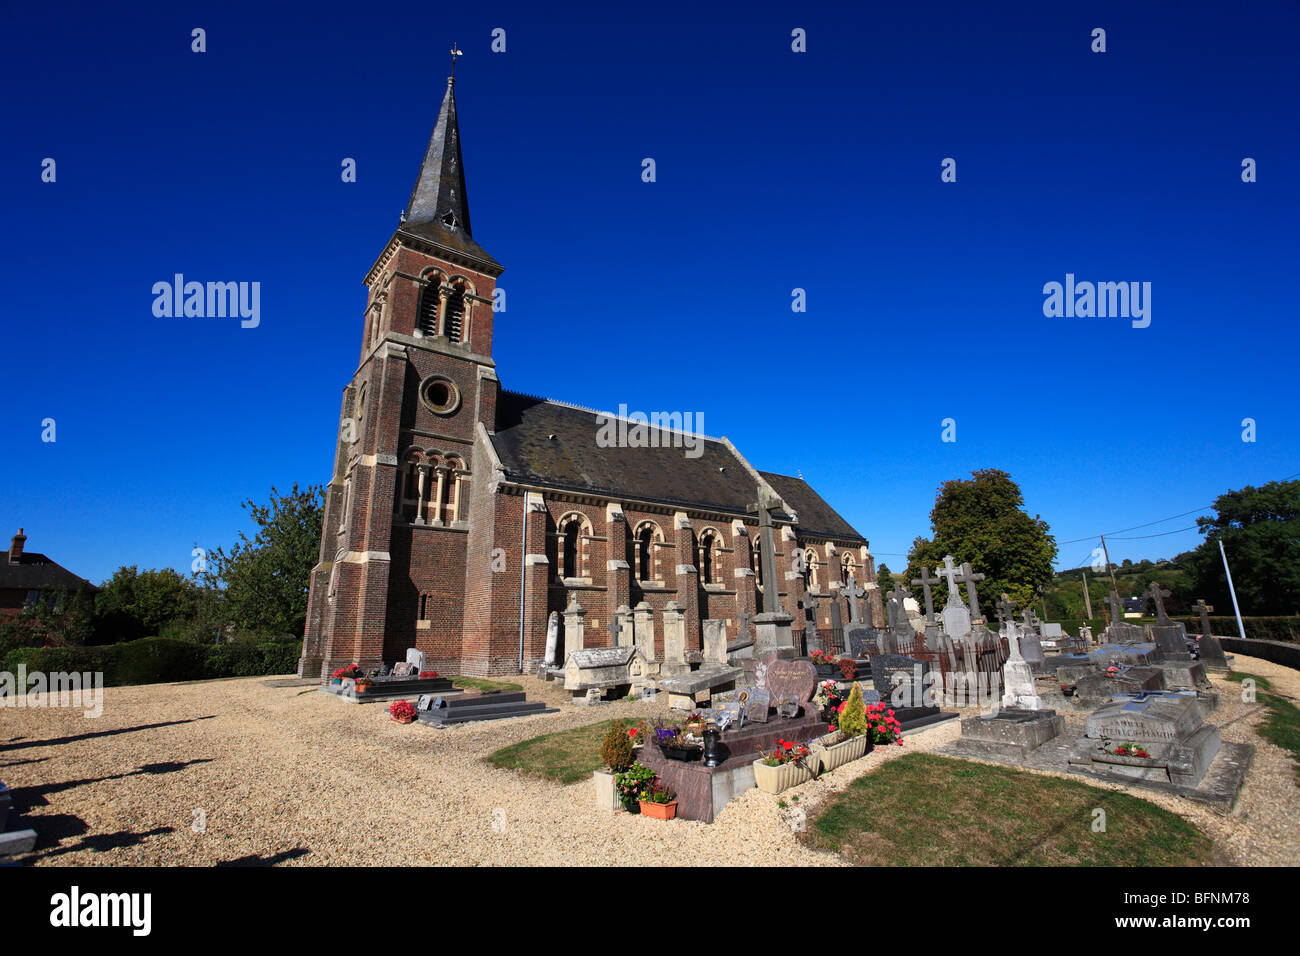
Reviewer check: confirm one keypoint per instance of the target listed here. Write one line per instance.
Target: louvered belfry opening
(455, 312)
(427, 318)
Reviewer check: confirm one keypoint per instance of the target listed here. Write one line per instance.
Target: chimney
(16, 546)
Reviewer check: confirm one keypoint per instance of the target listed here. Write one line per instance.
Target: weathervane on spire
(454, 53)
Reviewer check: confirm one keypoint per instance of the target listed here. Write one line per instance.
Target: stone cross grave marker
(837, 627)
(767, 553)
(1157, 592)
(969, 578)
(1204, 610)
(1006, 609)
(950, 572)
(925, 581)
(854, 592)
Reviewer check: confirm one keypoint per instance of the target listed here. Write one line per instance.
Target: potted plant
(884, 727)
(848, 668)
(694, 724)
(402, 711)
(632, 783)
(362, 684)
(849, 740)
(616, 753)
(428, 675)
(788, 765)
(658, 802)
(824, 662)
(828, 698)
(673, 744)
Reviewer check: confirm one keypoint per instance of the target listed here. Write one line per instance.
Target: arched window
(574, 534)
(756, 553)
(710, 548)
(810, 577)
(453, 326)
(849, 568)
(426, 320)
(647, 533)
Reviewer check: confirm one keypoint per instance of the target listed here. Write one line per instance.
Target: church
(460, 515)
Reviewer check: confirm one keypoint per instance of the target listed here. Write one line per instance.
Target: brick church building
(460, 515)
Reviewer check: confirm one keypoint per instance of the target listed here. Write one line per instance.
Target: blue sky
(775, 170)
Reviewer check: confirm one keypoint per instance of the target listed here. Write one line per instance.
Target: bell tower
(393, 543)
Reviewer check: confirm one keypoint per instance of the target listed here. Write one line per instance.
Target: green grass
(478, 683)
(567, 756)
(1282, 726)
(926, 810)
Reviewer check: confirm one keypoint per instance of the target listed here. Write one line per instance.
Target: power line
(1139, 537)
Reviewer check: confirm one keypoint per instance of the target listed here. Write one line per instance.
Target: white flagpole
(1241, 628)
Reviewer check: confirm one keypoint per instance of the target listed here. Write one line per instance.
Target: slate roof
(35, 571)
(716, 480)
(816, 517)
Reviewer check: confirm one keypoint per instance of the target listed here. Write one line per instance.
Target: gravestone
(715, 642)
(853, 592)
(925, 581)
(837, 628)
(899, 680)
(1168, 725)
(1211, 653)
(417, 659)
(1169, 637)
(863, 642)
(772, 633)
(403, 669)
(795, 678)
(1019, 690)
(755, 703)
(1119, 631)
(424, 702)
(592, 673)
(956, 616)
(552, 637)
(970, 579)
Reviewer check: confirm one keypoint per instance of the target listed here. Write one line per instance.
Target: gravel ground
(287, 775)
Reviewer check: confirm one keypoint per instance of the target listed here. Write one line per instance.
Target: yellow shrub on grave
(853, 718)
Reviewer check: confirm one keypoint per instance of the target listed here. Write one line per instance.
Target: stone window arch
(710, 556)
(811, 579)
(646, 537)
(756, 556)
(848, 568)
(573, 543)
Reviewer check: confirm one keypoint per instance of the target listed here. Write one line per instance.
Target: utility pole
(1241, 628)
(1113, 586)
(1087, 598)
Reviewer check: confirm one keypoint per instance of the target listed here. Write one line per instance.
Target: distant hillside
(1064, 596)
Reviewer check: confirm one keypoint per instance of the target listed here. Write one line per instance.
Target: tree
(134, 603)
(981, 521)
(1260, 533)
(264, 582)
(884, 579)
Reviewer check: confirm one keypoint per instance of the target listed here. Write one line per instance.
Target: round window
(441, 395)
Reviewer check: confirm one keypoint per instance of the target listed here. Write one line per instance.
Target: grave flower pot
(659, 811)
(834, 755)
(684, 754)
(786, 775)
(827, 670)
(607, 798)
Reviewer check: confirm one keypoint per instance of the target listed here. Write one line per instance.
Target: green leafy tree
(884, 579)
(134, 603)
(1261, 535)
(981, 520)
(264, 581)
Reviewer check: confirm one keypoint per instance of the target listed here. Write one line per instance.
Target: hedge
(155, 660)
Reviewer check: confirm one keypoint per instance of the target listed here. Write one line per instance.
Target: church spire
(439, 194)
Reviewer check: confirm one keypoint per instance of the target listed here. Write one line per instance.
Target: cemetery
(754, 723)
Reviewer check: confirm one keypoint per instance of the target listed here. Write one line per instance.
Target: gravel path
(287, 775)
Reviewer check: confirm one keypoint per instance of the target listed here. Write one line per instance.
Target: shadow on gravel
(19, 763)
(254, 860)
(55, 741)
(100, 842)
(35, 796)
